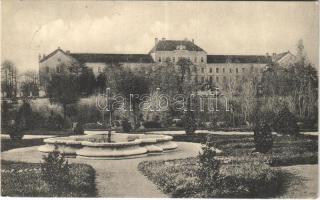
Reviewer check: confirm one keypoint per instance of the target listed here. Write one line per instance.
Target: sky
(30, 28)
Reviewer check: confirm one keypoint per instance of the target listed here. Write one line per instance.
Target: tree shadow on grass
(290, 182)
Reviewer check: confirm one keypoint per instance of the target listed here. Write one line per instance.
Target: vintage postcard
(159, 99)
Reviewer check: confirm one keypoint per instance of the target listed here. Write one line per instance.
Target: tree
(63, 89)
(9, 79)
(101, 82)
(296, 85)
(133, 84)
(87, 81)
(186, 86)
(184, 76)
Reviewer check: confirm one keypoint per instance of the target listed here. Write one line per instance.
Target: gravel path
(304, 182)
(115, 178)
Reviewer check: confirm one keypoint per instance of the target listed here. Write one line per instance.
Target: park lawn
(244, 174)
(239, 178)
(287, 150)
(24, 180)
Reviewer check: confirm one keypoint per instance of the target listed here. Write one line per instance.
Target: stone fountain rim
(68, 141)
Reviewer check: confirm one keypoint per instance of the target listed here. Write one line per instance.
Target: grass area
(243, 174)
(287, 150)
(239, 178)
(24, 180)
(7, 144)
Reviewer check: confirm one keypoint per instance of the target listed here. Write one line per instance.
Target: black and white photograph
(159, 99)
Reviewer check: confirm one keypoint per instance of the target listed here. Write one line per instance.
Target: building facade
(210, 68)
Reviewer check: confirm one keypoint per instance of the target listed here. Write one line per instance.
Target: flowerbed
(24, 180)
(240, 178)
(287, 150)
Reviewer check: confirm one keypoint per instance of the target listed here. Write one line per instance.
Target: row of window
(174, 59)
(217, 79)
(230, 70)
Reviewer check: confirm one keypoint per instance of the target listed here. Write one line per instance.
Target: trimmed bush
(190, 125)
(286, 123)
(263, 138)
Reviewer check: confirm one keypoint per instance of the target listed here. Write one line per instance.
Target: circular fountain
(121, 146)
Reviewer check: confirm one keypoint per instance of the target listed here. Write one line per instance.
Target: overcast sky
(33, 27)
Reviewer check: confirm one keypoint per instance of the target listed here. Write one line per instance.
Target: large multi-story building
(211, 68)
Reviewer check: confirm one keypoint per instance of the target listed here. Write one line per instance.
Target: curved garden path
(303, 182)
(121, 178)
(114, 178)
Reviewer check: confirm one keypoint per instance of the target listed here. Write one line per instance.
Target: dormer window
(181, 47)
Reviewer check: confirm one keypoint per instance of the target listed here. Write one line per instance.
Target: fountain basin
(95, 146)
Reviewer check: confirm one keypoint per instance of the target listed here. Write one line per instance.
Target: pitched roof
(238, 59)
(280, 55)
(51, 54)
(171, 45)
(112, 58)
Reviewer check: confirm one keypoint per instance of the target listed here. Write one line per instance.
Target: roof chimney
(155, 41)
(192, 40)
(67, 51)
(163, 38)
(58, 47)
(274, 54)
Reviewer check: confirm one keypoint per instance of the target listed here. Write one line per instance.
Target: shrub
(78, 129)
(209, 167)
(21, 122)
(263, 138)
(152, 124)
(190, 122)
(55, 172)
(126, 126)
(55, 122)
(286, 123)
